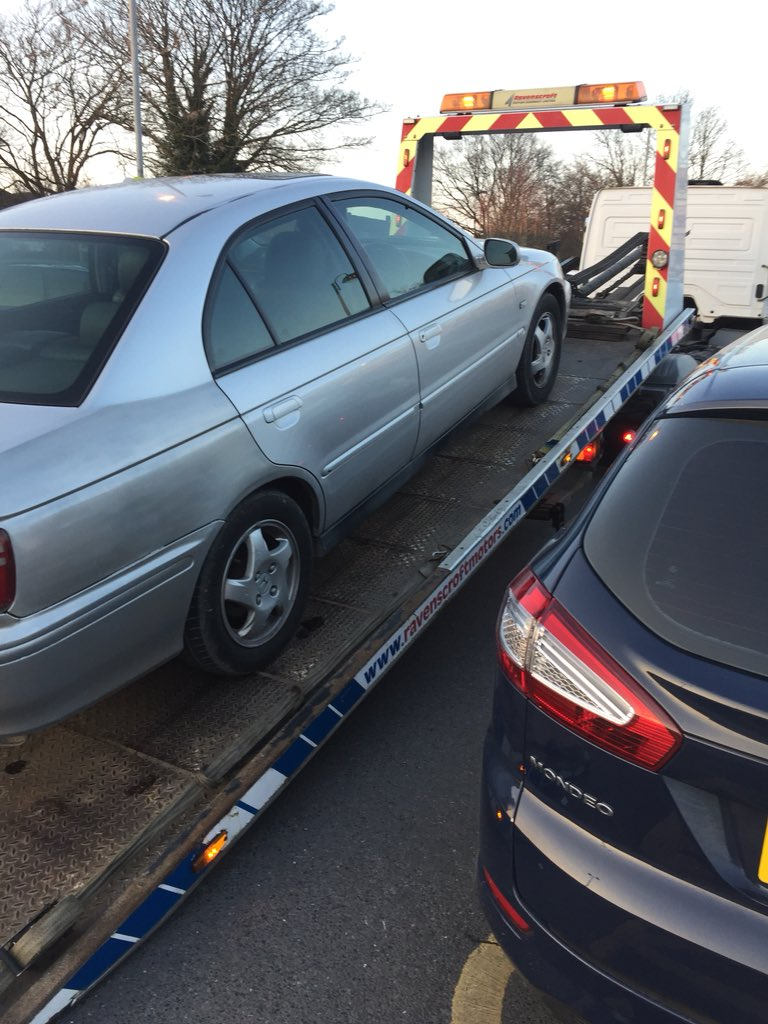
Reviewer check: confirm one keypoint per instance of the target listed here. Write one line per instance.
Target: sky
(410, 52)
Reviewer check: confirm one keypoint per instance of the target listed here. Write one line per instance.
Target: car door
(325, 379)
(465, 323)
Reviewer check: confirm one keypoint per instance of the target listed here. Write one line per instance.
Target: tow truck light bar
(558, 96)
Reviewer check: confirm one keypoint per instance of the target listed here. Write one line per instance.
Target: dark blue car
(624, 842)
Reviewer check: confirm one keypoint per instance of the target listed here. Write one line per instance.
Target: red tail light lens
(558, 665)
(7, 572)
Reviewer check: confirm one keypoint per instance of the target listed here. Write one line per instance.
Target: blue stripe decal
(247, 807)
(101, 961)
(293, 758)
(540, 487)
(182, 877)
(348, 697)
(322, 726)
(528, 500)
(152, 910)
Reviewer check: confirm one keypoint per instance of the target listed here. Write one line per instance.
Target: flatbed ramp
(102, 816)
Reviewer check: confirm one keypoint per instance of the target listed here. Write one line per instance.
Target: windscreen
(680, 537)
(64, 299)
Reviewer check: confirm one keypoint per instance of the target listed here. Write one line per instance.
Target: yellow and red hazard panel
(668, 192)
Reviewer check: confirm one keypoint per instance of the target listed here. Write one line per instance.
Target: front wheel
(252, 588)
(538, 365)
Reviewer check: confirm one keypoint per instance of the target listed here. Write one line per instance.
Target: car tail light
(7, 572)
(547, 655)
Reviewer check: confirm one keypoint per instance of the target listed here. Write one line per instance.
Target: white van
(726, 245)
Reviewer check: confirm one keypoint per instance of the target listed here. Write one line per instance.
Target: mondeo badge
(572, 790)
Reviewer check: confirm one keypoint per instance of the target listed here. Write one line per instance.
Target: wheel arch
(300, 491)
(558, 293)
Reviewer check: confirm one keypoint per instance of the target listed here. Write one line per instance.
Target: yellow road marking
(762, 871)
(479, 994)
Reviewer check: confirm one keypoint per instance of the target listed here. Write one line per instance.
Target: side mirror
(500, 252)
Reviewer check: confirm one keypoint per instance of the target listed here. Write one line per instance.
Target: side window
(407, 249)
(235, 329)
(298, 274)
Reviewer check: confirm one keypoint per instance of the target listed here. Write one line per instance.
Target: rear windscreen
(681, 537)
(64, 299)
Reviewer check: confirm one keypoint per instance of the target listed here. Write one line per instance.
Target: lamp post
(133, 36)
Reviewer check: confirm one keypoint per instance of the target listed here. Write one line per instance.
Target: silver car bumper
(56, 661)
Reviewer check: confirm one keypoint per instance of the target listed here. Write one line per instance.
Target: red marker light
(588, 453)
(504, 905)
(628, 436)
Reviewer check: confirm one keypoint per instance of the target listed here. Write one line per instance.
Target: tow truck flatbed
(105, 817)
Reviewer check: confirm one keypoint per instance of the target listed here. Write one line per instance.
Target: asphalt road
(353, 898)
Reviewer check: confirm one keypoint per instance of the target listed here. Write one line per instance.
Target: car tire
(537, 370)
(252, 588)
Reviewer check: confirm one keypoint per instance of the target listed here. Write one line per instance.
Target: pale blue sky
(411, 52)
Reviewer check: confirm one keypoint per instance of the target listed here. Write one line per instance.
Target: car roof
(736, 377)
(153, 206)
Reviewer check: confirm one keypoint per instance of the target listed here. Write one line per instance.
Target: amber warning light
(547, 96)
(210, 851)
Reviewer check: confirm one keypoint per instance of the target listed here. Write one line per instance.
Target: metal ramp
(623, 274)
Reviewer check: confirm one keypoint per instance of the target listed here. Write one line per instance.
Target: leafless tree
(56, 105)
(754, 179)
(574, 191)
(498, 185)
(712, 155)
(623, 159)
(233, 85)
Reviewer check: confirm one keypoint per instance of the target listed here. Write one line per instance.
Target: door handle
(280, 409)
(429, 332)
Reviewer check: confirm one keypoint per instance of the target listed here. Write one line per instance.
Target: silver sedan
(203, 381)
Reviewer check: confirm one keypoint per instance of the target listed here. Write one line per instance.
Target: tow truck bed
(102, 816)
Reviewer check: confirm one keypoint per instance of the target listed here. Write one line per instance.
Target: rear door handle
(429, 332)
(281, 409)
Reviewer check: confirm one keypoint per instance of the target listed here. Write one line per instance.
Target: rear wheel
(538, 365)
(252, 588)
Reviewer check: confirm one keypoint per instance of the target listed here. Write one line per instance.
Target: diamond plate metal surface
(213, 714)
(330, 631)
(134, 715)
(477, 485)
(418, 524)
(571, 389)
(70, 804)
(508, 442)
(365, 575)
(587, 357)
